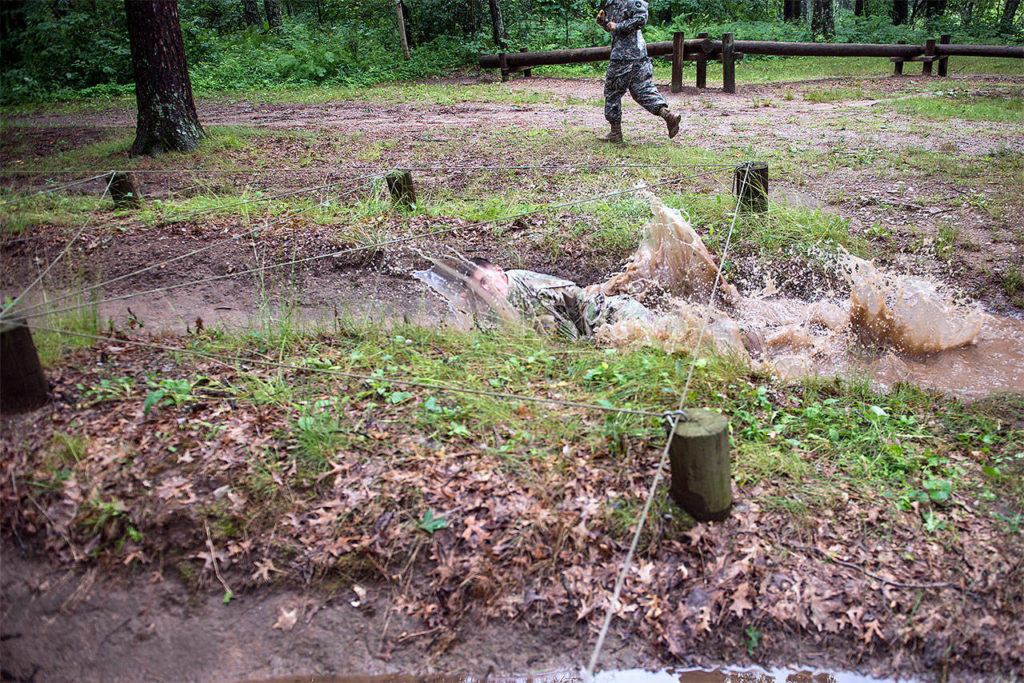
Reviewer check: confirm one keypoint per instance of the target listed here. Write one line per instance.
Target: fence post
(944, 61)
(401, 188)
(23, 385)
(678, 50)
(528, 73)
(699, 455)
(728, 63)
(897, 63)
(503, 63)
(751, 185)
(702, 62)
(124, 190)
(929, 55)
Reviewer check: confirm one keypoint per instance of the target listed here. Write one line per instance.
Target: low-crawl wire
(673, 422)
(58, 188)
(455, 167)
(213, 245)
(444, 388)
(376, 245)
(67, 247)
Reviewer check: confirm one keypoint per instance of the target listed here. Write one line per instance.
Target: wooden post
(678, 56)
(728, 63)
(23, 386)
(503, 63)
(897, 64)
(526, 72)
(929, 56)
(702, 63)
(752, 192)
(401, 29)
(124, 191)
(699, 455)
(401, 188)
(944, 61)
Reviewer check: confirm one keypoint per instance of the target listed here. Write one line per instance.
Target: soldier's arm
(635, 20)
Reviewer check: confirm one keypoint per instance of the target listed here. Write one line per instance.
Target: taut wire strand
(67, 247)
(376, 245)
(673, 421)
(241, 360)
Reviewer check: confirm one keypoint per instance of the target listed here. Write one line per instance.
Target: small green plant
(1013, 281)
(117, 389)
(167, 392)
(430, 523)
(752, 640)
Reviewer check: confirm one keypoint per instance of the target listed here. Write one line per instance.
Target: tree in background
(251, 13)
(823, 19)
(497, 24)
(1009, 11)
(167, 119)
(273, 11)
(900, 12)
(791, 10)
(858, 8)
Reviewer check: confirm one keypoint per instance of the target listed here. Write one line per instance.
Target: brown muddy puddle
(729, 675)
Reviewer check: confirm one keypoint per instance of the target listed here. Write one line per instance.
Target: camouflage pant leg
(599, 310)
(635, 77)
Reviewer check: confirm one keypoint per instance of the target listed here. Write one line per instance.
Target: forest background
(77, 49)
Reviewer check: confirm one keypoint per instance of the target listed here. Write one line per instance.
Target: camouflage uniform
(561, 306)
(630, 68)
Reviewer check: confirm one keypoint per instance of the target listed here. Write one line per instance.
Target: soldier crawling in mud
(629, 67)
(550, 302)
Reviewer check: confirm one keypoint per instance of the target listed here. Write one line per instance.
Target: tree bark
(858, 8)
(900, 12)
(791, 10)
(251, 13)
(497, 24)
(401, 29)
(934, 8)
(273, 11)
(1009, 11)
(167, 117)
(822, 22)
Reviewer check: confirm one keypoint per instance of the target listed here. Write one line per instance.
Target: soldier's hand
(600, 18)
(610, 25)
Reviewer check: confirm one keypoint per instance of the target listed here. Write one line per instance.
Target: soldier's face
(492, 279)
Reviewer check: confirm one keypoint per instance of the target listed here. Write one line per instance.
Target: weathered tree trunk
(251, 13)
(23, 385)
(497, 24)
(401, 29)
(1009, 12)
(900, 12)
(858, 8)
(934, 8)
(273, 11)
(822, 23)
(791, 10)
(167, 117)
(472, 18)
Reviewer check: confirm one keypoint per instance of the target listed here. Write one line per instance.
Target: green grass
(1002, 110)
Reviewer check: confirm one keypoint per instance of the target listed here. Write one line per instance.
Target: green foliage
(430, 524)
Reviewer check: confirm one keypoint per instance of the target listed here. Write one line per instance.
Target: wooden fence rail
(703, 49)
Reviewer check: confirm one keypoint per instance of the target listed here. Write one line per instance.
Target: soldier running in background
(629, 68)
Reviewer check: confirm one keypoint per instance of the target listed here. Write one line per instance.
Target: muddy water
(891, 328)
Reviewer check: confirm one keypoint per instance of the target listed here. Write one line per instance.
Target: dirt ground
(61, 621)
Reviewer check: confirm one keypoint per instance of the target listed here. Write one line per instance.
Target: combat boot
(671, 120)
(614, 135)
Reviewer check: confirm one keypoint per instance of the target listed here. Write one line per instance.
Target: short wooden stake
(728, 63)
(678, 56)
(699, 455)
(23, 385)
(944, 61)
(752, 192)
(124, 190)
(401, 188)
(702, 62)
